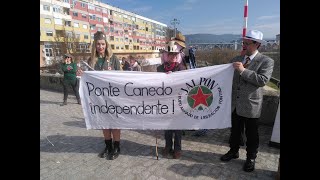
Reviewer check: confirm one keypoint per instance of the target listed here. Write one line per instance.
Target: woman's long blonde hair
(94, 55)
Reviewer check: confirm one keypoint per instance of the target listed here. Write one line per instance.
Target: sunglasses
(247, 43)
(67, 57)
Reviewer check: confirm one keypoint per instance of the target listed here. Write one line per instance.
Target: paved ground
(69, 151)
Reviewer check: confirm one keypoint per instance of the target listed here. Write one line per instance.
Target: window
(86, 37)
(93, 17)
(98, 9)
(67, 23)
(92, 26)
(60, 33)
(99, 29)
(84, 16)
(106, 29)
(75, 24)
(77, 36)
(84, 26)
(90, 7)
(47, 21)
(49, 33)
(66, 1)
(75, 14)
(83, 5)
(58, 52)
(69, 34)
(58, 21)
(46, 8)
(48, 52)
(56, 9)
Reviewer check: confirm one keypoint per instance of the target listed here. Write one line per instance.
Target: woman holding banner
(172, 61)
(103, 59)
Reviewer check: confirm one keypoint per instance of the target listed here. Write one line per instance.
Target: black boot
(116, 150)
(107, 150)
(64, 103)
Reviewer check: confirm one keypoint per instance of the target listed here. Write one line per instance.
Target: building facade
(69, 25)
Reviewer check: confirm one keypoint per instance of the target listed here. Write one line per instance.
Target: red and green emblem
(200, 97)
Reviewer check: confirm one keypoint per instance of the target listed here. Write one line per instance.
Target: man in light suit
(252, 72)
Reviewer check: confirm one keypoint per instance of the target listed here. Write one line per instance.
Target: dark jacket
(69, 72)
(101, 64)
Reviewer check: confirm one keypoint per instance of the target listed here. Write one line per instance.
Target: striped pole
(245, 22)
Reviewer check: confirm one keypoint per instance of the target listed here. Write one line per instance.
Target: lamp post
(174, 22)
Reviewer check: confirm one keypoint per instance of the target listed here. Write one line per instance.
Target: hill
(212, 38)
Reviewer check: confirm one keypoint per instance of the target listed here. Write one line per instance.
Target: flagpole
(245, 22)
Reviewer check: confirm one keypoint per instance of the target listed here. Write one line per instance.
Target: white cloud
(268, 17)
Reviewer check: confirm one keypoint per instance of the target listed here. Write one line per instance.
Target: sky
(208, 16)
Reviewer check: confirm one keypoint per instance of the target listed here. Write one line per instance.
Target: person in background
(126, 64)
(253, 70)
(134, 66)
(171, 59)
(103, 59)
(69, 69)
(192, 57)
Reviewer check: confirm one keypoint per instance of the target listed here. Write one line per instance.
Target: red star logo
(200, 98)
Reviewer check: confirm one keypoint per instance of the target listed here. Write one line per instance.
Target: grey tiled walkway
(69, 151)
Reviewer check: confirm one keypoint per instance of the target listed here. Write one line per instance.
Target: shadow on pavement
(80, 124)
(50, 102)
(218, 170)
(220, 137)
(87, 144)
(205, 160)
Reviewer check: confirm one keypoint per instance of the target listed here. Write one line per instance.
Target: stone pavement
(69, 151)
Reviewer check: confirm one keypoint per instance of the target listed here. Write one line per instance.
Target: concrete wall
(269, 106)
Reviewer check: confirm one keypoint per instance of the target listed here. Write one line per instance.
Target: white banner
(190, 99)
(275, 137)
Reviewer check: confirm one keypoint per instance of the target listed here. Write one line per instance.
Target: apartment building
(69, 25)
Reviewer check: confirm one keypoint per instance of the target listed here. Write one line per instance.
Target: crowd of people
(252, 71)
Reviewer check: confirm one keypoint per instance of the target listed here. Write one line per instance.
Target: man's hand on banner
(238, 66)
(79, 72)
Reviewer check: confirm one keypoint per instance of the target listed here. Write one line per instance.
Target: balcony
(61, 16)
